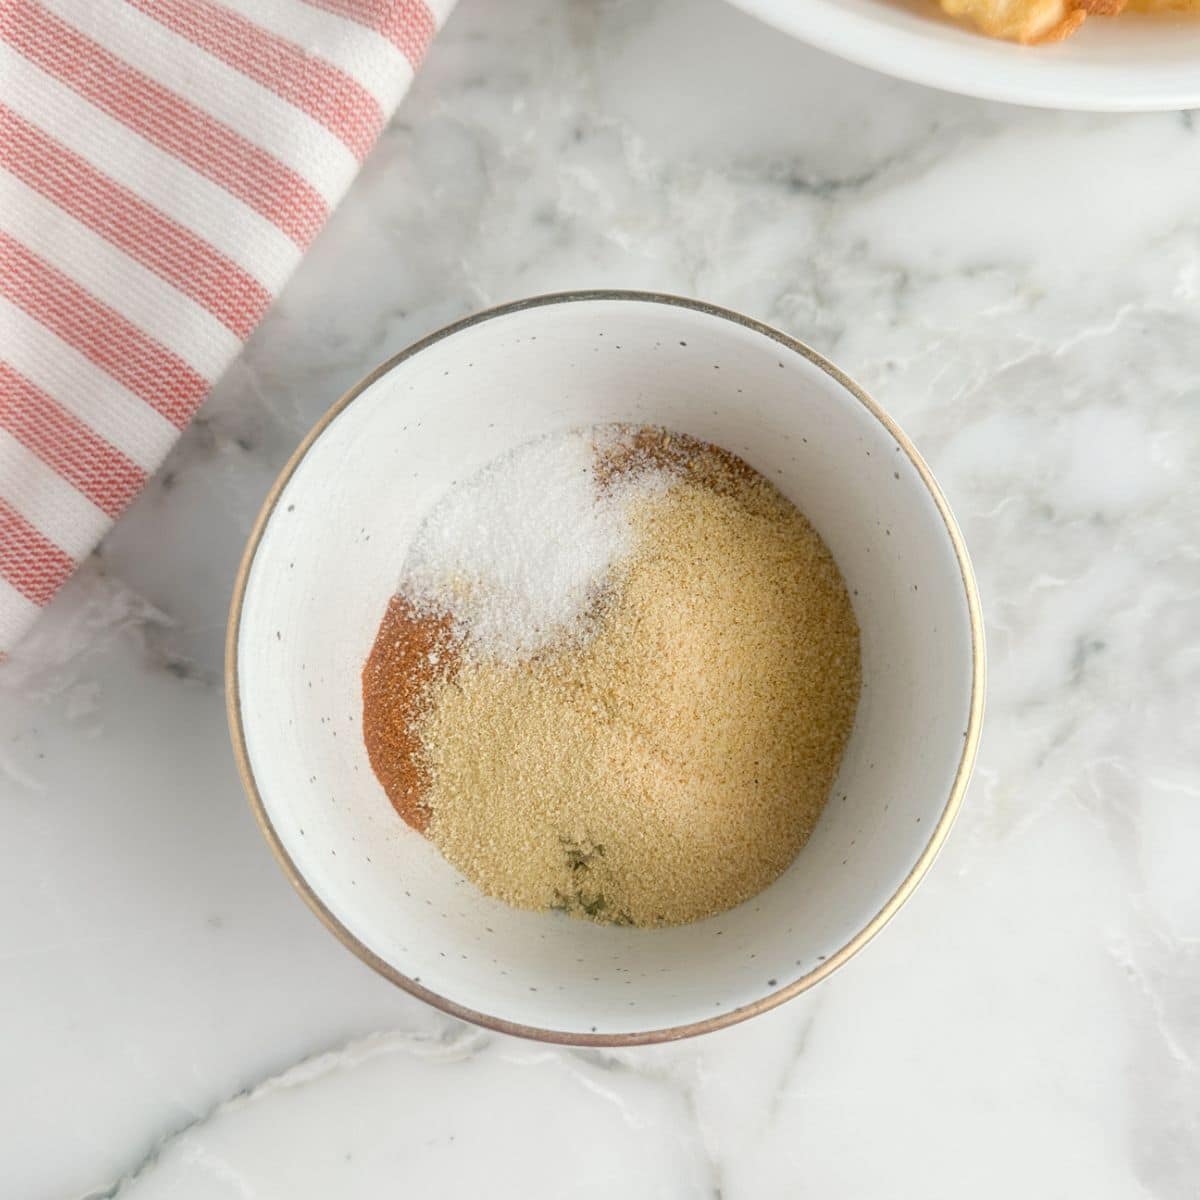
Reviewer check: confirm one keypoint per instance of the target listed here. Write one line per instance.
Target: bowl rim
(772, 999)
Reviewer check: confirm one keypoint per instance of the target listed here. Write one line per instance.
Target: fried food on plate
(1033, 21)
(1025, 21)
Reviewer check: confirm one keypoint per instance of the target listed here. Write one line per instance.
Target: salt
(520, 551)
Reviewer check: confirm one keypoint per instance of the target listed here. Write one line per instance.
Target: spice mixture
(617, 678)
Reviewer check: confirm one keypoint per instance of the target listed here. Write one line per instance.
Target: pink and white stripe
(163, 166)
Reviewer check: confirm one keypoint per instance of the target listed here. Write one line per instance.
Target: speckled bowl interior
(324, 560)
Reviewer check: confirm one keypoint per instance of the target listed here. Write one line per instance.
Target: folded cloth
(163, 166)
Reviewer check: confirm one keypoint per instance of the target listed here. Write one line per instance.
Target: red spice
(412, 651)
(652, 447)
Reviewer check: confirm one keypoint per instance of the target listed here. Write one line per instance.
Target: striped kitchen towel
(163, 166)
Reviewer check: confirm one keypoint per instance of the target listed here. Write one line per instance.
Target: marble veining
(1019, 289)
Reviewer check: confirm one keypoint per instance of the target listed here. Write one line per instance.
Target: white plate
(1132, 64)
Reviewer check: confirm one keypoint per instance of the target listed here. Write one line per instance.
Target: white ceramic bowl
(1134, 63)
(324, 558)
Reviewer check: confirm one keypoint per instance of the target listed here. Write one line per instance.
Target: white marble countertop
(1020, 289)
